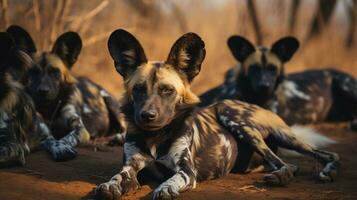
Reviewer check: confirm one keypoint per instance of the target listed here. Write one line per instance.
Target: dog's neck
(247, 93)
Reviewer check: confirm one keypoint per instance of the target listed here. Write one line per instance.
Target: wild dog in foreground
(305, 97)
(21, 129)
(73, 107)
(167, 129)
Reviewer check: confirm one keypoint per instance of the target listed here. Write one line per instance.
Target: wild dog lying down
(21, 129)
(73, 107)
(165, 126)
(305, 97)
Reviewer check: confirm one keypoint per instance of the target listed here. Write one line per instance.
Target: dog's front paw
(280, 177)
(329, 173)
(110, 190)
(62, 152)
(165, 192)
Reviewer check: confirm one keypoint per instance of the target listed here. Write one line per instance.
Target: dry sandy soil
(42, 178)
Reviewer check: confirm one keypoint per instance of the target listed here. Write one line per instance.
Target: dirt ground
(42, 178)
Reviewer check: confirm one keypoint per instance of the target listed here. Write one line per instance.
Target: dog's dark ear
(22, 39)
(285, 48)
(7, 44)
(187, 55)
(67, 47)
(13, 60)
(240, 47)
(126, 52)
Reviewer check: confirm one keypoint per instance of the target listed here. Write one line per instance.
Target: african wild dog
(21, 128)
(166, 128)
(304, 97)
(73, 107)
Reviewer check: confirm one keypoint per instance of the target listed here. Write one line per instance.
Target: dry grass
(95, 19)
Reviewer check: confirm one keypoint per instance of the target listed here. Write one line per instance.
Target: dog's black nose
(264, 86)
(43, 91)
(149, 115)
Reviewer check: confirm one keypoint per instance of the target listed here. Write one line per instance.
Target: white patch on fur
(226, 143)
(133, 153)
(233, 91)
(291, 90)
(153, 151)
(69, 111)
(273, 106)
(104, 93)
(86, 109)
(44, 128)
(196, 136)
(176, 184)
(3, 118)
(309, 136)
(178, 147)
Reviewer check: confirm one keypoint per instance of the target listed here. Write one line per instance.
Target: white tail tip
(309, 136)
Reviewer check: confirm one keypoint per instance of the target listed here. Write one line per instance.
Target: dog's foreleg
(185, 176)
(59, 150)
(79, 133)
(126, 180)
(13, 146)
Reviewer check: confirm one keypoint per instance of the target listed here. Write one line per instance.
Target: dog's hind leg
(287, 139)
(282, 172)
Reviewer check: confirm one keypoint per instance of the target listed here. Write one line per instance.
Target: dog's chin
(151, 127)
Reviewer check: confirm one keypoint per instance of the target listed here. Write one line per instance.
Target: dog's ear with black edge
(240, 47)
(126, 52)
(67, 47)
(22, 39)
(187, 55)
(285, 48)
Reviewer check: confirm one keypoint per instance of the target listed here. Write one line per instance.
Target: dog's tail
(309, 136)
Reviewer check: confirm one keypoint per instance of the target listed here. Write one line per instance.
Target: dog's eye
(140, 88)
(55, 72)
(167, 90)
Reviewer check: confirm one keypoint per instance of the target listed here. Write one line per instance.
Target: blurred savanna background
(325, 28)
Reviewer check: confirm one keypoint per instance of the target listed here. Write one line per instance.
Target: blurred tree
(323, 17)
(256, 25)
(352, 15)
(4, 18)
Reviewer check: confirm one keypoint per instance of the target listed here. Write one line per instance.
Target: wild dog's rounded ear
(22, 39)
(126, 52)
(240, 47)
(187, 55)
(285, 48)
(67, 47)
